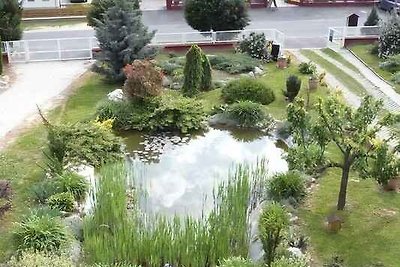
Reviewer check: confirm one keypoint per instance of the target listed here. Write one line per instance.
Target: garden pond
(178, 172)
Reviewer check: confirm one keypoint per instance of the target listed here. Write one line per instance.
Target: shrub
(206, 79)
(373, 18)
(193, 71)
(307, 68)
(396, 78)
(73, 183)
(305, 159)
(10, 20)
(37, 259)
(389, 41)
(385, 165)
(216, 15)
(170, 65)
(168, 112)
(249, 114)
(273, 223)
(248, 89)
(39, 233)
(391, 64)
(83, 143)
(293, 85)
(99, 7)
(62, 201)
(234, 64)
(255, 45)
(237, 262)
(43, 190)
(289, 262)
(287, 185)
(143, 80)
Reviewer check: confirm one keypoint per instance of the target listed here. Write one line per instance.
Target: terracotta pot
(313, 83)
(392, 185)
(281, 63)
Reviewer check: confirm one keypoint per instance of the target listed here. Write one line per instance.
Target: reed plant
(114, 234)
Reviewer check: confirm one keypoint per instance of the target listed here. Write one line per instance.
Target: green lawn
(338, 57)
(37, 24)
(20, 160)
(363, 52)
(348, 81)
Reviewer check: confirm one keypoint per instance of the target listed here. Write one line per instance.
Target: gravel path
(36, 84)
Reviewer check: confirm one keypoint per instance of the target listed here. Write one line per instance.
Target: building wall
(40, 3)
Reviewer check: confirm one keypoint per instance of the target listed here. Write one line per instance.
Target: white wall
(41, 3)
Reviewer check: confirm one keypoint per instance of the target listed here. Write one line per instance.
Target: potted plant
(313, 81)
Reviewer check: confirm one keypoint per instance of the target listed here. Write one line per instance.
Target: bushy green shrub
(234, 64)
(206, 79)
(389, 41)
(40, 233)
(42, 190)
(83, 143)
(385, 165)
(391, 64)
(293, 85)
(307, 68)
(255, 45)
(62, 201)
(193, 71)
(249, 114)
(273, 223)
(237, 262)
(168, 112)
(289, 262)
(172, 64)
(248, 89)
(287, 185)
(40, 259)
(396, 78)
(73, 183)
(374, 50)
(305, 159)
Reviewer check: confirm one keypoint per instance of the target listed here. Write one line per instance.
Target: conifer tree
(122, 38)
(373, 18)
(193, 71)
(10, 20)
(99, 7)
(389, 39)
(206, 80)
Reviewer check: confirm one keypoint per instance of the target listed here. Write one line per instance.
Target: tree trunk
(343, 184)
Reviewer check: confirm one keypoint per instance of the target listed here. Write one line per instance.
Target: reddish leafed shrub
(143, 80)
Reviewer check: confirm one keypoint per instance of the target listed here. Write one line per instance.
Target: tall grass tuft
(114, 234)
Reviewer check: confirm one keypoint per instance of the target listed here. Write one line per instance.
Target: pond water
(178, 172)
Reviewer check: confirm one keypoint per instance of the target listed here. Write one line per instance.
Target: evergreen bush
(389, 39)
(10, 20)
(373, 18)
(206, 79)
(234, 64)
(193, 71)
(248, 89)
(99, 7)
(293, 85)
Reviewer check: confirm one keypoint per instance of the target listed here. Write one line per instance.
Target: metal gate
(50, 49)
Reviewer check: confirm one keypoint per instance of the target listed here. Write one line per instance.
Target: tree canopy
(10, 20)
(99, 7)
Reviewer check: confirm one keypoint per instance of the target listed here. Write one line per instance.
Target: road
(304, 27)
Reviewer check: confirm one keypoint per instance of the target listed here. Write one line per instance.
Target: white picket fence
(82, 48)
(338, 35)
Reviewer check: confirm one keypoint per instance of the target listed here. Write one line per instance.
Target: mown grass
(20, 161)
(338, 57)
(347, 80)
(363, 52)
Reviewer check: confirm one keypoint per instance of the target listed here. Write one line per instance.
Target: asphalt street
(304, 27)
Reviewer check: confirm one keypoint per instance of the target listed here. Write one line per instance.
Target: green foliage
(389, 41)
(234, 64)
(255, 45)
(73, 183)
(193, 71)
(42, 190)
(293, 85)
(248, 89)
(1, 57)
(373, 18)
(306, 158)
(289, 262)
(249, 114)
(216, 15)
(206, 79)
(396, 77)
(10, 20)
(99, 7)
(83, 143)
(374, 50)
(62, 202)
(290, 185)
(237, 262)
(335, 261)
(168, 112)
(112, 234)
(40, 233)
(170, 65)
(307, 68)
(122, 39)
(391, 64)
(39, 259)
(273, 223)
(143, 80)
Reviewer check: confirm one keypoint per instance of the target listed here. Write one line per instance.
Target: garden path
(36, 84)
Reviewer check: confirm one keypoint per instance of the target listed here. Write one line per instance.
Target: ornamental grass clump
(290, 185)
(249, 114)
(62, 201)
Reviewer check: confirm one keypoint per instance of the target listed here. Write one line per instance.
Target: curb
(53, 18)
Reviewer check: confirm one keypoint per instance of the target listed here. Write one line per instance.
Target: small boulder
(75, 224)
(258, 71)
(251, 74)
(116, 95)
(166, 82)
(296, 252)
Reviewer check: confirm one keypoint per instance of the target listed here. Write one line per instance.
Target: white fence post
(213, 36)
(59, 49)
